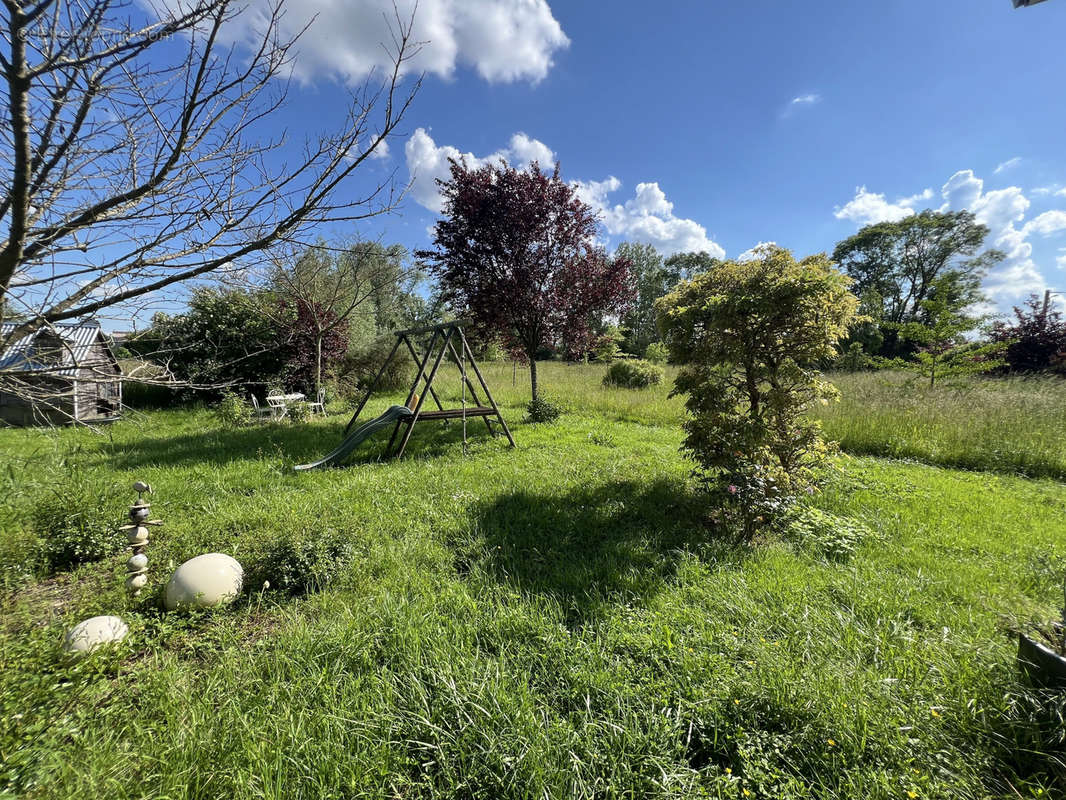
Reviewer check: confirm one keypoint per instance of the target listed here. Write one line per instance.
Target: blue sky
(719, 125)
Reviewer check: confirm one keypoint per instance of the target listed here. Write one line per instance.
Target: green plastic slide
(356, 437)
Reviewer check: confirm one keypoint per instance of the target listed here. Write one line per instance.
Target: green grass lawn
(557, 620)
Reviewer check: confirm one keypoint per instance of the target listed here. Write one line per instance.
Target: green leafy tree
(652, 278)
(895, 266)
(225, 337)
(749, 336)
(941, 337)
(608, 345)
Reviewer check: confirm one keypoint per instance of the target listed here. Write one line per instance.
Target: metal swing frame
(440, 345)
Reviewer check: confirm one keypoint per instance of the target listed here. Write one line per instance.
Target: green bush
(77, 520)
(361, 365)
(298, 567)
(299, 413)
(748, 334)
(232, 411)
(633, 374)
(827, 535)
(544, 409)
(656, 353)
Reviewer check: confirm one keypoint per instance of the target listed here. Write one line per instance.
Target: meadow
(557, 620)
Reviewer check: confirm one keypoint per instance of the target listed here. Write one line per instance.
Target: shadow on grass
(296, 444)
(592, 547)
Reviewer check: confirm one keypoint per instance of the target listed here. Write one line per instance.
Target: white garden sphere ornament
(206, 581)
(92, 633)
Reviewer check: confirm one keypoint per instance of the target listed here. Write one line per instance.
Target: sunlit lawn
(557, 620)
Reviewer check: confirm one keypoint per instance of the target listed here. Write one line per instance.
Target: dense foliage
(633, 374)
(749, 336)
(1035, 340)
(895, 266)
(516, 250)
(224, 337)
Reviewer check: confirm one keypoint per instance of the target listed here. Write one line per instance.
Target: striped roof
(78, 342)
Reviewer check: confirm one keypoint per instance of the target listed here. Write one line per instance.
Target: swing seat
(457, 413)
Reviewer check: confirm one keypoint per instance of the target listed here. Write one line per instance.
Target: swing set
(446, 340)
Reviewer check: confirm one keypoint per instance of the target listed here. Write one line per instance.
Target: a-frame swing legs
(488, 394)
(429, 382)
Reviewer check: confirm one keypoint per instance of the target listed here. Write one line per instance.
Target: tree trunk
(533, 376)
(318, 366)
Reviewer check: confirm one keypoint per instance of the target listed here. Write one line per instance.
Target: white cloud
(503, 40)
(1002, 210)
(381, 152)
(1010, 163)
(426, 162)
(868, 208)
(646, 217)
(806, 100)
(1061, 193)
(1061, 260)
(1047, 223)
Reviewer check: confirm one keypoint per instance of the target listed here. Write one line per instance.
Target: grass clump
(633, 374)
(232, 412)
(76, 520)
(543, 409)
(298, 567)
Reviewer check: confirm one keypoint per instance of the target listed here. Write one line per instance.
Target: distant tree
(650, 281)
(653, 277)
(328, 288)
(940, 335)
(1035, 340)
(224, 337)
(749, 336)
(684, 266)
(896, 264)
(516, 250)
(607, 346)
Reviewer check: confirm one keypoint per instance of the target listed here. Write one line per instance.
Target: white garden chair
(259, 410)
(320, 403)
(278, 407)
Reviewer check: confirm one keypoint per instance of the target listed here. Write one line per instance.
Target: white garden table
(279, 403)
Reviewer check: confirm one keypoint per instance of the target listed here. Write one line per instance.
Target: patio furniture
(279, 403)
(259, 410)
(320, 403)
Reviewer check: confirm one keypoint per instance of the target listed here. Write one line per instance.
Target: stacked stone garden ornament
(137, 535)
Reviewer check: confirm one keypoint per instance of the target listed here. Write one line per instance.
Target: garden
(554, 620)
(647, 524)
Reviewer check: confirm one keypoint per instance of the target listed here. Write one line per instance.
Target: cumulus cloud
(1010, 163)
(503, 40)
(1002, 210)
(427, 162)
(868, 208)
(646, 217)
(1047, 223)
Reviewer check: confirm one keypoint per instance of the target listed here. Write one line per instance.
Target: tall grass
(1004, 424)
(553, 621)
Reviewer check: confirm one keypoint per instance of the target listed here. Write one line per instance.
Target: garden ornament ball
(88, 635)
(206, 581)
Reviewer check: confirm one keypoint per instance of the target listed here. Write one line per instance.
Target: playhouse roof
(77, 352)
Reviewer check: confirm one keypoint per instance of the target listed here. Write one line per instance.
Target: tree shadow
(593, 547)
(297, 444)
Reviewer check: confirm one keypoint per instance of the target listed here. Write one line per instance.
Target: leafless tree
(136, 154)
